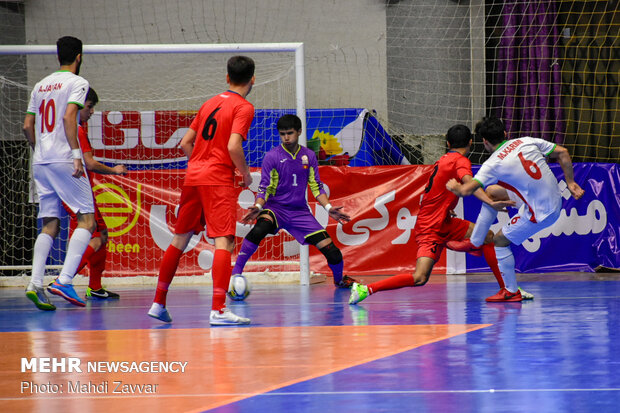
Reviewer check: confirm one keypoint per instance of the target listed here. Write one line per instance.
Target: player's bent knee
(263, 227)
(332, 253)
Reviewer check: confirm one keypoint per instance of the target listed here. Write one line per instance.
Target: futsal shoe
(101, 293)
(39, 298)
(525, 294)
(159, 312)
(504, 295)
(67, 292)
(346, 282)
(226, 318)
(358, 293)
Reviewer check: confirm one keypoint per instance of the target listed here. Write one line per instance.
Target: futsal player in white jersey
(516, 170)
(51, 127)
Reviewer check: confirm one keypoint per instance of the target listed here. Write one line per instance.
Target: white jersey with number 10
(48, 103)
(519, 165)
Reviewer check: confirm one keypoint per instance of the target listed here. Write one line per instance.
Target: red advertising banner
(140, 210)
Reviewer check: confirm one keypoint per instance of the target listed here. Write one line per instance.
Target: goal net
(139, 121)
(384, 82)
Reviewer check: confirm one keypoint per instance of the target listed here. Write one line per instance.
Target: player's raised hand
(78, 168)
(575, 190)
(338, 215)
(252, 214)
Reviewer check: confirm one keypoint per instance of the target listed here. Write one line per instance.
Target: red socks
(221, 271)
(392, 283)
(488, 250)
(86, 256)
(167, 269)
(96, 266)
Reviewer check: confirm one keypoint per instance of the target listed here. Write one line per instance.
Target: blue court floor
(437, 348)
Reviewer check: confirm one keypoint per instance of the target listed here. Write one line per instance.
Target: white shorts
(55, 184)
(520, 228)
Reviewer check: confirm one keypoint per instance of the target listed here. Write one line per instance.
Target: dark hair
(458, 136)
(287, 122)
(240, 69)
(67, 49)
(492, 129)
(92, 96)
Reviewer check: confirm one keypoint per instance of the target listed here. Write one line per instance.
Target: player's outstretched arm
(95, 166)
(334, 212)
(337, 214)
(567, 167)
(461, 190)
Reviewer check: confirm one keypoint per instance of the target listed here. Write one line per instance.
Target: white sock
(485, 219)
(506, 263)
(42, 247)
(77, 245)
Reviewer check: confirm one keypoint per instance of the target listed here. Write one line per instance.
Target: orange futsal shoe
(504, 295)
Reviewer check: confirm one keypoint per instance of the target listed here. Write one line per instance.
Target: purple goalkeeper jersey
(285, 177)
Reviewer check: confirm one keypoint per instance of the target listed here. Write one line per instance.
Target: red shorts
(432, 244)
(220, 204)
(98, 220)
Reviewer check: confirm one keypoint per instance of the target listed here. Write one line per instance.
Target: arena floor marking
(224, 365)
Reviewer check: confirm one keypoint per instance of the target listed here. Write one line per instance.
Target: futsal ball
(239, 288)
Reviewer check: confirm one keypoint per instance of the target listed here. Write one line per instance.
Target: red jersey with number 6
(217, 119)
(437, 201)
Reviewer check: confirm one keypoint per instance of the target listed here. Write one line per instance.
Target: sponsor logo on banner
(149, 137)
(120, 212)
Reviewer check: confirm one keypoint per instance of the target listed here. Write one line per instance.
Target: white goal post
(111, 49)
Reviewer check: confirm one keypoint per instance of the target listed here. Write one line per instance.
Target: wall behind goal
(344, 40)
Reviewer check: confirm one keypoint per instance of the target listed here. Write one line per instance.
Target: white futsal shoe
(226, 318)
(159, 312)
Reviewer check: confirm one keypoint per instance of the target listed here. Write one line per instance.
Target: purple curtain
(528, 77)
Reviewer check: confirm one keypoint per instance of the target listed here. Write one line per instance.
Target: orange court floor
(437, 348)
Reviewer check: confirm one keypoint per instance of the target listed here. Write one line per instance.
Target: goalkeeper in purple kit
(287, 171)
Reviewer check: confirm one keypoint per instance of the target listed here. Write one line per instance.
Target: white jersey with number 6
(519, 165)
(48, 103)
